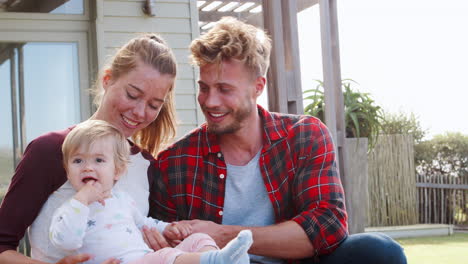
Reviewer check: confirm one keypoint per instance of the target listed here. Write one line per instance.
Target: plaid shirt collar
(273, 129)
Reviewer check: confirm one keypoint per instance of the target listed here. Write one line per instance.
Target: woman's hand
(154, 239)
(75, 259)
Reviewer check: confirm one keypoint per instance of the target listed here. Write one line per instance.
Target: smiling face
(134, 100)
(93, 162)
(227, 96)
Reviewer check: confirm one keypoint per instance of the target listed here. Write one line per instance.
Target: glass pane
(44, 6)
(52, 98)
(6, 132)
(51, 95)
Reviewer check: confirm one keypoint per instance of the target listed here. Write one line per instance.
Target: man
(273, 173)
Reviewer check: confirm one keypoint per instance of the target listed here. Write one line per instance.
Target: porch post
(284, 76)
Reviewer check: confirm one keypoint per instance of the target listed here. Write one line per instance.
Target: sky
(411, 56)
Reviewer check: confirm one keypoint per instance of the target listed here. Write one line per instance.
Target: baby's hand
(177, 231)
(91, 193)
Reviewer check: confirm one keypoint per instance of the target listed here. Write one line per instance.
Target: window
(43, 6)
(41, 84)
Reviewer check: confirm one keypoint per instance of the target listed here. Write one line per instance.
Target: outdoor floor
(437, 250)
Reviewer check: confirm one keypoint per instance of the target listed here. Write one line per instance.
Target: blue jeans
(371, 248)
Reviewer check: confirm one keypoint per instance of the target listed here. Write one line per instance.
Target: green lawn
(437, 250)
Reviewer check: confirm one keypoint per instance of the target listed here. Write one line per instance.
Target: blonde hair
(233, 39)
(152, 50)
(88, 132)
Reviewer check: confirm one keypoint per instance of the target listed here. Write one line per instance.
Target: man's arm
(160, 208)
(317, 192)
(160, 205)
(286, 240)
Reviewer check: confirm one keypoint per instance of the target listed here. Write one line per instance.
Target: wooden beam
(228, 1)
(304, 4)
(255, 19)
(292, 62)
(252, 18)
(277, 92)
(334, 107)
(301, 4)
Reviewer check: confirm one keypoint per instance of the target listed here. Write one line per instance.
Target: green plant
(402, 123)
(445, 154)
(362, 117)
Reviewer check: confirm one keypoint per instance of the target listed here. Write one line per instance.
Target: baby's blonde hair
(233, 39)
(88, 132)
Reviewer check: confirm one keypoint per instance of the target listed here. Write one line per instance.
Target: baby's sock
(235, 252)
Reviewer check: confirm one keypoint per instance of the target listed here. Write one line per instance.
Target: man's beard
(234, 126)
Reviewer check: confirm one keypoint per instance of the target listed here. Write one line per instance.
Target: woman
(136, 96)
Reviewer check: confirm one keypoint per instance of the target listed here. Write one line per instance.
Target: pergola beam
(284, 76)
(277, 84)
(334, 118)
(252, 18)
(334, 106)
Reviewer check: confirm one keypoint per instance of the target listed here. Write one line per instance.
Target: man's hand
(175, 232)
(154, 239)
(82, 258)
(221, 234)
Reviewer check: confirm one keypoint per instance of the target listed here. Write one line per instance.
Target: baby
(106, 223)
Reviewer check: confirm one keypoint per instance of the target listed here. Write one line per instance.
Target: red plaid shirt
(298, 167)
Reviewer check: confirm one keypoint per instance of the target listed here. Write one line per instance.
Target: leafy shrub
(362, 117)
(402, 123)
(445, 154)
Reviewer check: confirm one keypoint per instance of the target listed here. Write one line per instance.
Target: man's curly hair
(233, 39)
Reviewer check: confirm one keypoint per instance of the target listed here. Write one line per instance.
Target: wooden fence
(443, 199)
(392, 182)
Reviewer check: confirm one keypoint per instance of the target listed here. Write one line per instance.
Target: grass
(437, 250)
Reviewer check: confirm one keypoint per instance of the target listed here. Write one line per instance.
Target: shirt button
(220, 212)
(221, 176)
(219, 154)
